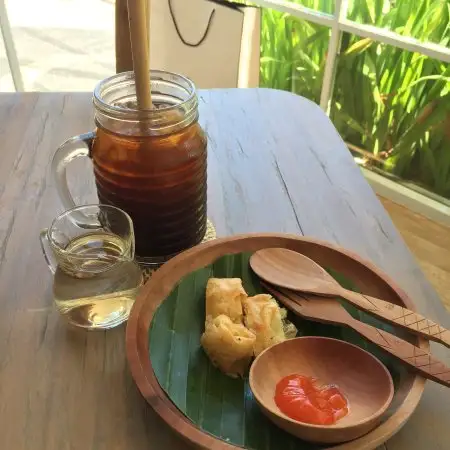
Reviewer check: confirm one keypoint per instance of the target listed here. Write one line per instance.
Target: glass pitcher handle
(73, 148)
(47, 251)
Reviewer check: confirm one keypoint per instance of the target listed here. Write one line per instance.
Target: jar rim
(56, 246)
(155, 74)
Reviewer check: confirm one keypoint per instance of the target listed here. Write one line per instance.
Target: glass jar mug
(151, 163)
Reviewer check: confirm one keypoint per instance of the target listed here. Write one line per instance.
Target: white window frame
(10, 49)
(339, 23)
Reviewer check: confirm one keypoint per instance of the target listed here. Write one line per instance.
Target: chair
(124, 61)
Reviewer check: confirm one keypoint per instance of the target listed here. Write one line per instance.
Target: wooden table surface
(275, 164)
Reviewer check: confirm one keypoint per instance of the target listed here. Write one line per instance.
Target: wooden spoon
(327, 310)
(292, 270)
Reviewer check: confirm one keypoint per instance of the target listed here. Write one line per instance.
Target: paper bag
(215, 43)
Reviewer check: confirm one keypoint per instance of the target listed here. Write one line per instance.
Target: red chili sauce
(302, 398)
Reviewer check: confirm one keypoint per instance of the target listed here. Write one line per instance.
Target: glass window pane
(293, 53)
(426, 20)
(61, 45)
(395, 105)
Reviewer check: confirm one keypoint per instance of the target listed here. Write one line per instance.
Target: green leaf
(442, 78)
(351, 122)
(358, 47)
(404, 151)
(267, 59)
(214, 402)
(382, 128)
(393, 82)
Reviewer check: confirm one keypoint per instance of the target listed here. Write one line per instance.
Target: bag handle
(177, 29)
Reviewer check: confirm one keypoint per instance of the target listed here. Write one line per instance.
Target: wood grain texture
(328, 310)
(275, 164)
(429, 241)
(368, 390)
(418, 358)
(124, 57)
(398, 315)
(362, 274)
(137, 11)
(292, 270)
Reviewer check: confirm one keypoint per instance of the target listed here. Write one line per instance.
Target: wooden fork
(329, 310)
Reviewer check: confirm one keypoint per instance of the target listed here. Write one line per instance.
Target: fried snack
(228, 345)
(267, 321)
(225, 296)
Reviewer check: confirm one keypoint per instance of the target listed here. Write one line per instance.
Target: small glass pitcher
(90, 251)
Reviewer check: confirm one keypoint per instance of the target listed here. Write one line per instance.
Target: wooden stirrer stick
(137, 16)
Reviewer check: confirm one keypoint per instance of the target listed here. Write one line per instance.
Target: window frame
(339, 23)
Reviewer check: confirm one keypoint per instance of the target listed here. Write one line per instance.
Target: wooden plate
(363, 274)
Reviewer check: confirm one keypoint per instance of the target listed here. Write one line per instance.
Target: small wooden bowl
(362, 378)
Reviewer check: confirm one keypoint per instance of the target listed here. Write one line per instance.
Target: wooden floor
(430, 243)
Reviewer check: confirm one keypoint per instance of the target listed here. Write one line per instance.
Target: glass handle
(47, 251)
(75, 147)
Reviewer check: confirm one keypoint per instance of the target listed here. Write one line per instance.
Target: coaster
(209, 236)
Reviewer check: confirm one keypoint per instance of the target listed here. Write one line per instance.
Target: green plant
(393, 103)
(293, 51)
